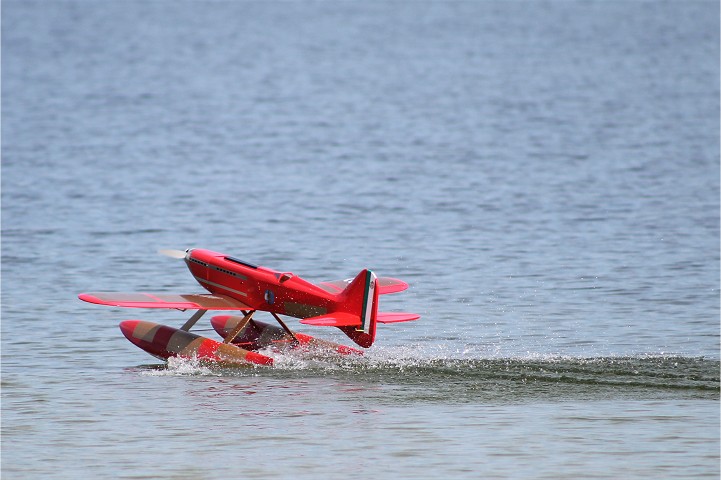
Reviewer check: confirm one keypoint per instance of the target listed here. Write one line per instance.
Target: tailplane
(357, 319)
(362, 296)
(358, 314)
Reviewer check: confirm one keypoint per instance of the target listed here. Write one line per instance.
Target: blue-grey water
(544, 174)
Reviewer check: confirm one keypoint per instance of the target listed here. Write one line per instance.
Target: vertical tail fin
(361, 297)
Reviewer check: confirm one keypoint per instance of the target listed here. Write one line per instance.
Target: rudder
(361, 297)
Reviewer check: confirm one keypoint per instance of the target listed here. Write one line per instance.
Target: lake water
(545, 175)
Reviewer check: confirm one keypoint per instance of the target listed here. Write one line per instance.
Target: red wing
(385, 284)
(165, 300)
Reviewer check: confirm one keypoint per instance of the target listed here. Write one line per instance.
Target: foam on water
(440, 370)
(182, 366)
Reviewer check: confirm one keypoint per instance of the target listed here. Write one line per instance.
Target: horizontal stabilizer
(395, 317)
(388, 285)
(338, 319)
(385, 285)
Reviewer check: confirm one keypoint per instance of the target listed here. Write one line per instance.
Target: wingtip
(87, 297)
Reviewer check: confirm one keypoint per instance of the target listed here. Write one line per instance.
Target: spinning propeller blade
(172, 253)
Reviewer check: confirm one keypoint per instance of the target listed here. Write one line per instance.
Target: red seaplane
(350, 305)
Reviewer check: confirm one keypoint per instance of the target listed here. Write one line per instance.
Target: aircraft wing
(165, 300)
(385, 284)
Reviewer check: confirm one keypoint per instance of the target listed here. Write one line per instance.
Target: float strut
(285, 327)
(239, 328)
(193, 320)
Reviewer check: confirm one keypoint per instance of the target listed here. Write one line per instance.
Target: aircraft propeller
(173, 253)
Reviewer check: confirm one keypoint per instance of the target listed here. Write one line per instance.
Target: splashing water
(183, 366)
(437, 371)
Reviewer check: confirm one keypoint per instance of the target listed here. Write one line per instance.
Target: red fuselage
(258, 287)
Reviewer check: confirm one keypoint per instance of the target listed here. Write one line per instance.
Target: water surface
(545, 175)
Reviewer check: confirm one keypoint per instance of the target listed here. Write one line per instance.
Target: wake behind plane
(235, 285)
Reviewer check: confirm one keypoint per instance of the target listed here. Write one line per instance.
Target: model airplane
(350, 305)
